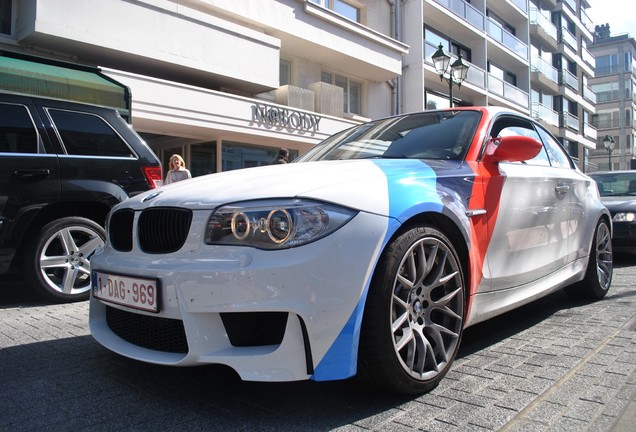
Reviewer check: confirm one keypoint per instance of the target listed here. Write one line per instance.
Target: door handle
(31, 174)
(562, 189)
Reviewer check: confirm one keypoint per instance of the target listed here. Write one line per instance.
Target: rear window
(17, 131)
(85, 134)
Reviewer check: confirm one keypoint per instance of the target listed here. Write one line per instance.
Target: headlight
(623, 217)
(275, 224)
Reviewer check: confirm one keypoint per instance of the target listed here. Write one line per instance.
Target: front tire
(600, 267)
(58, 266)
(414, 315)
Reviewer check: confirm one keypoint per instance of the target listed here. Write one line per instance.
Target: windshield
(427, 135)
(616, 183)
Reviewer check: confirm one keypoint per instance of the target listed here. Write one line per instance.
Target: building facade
(226, 83)
(615, 88)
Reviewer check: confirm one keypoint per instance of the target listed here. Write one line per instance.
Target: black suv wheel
(59, 267)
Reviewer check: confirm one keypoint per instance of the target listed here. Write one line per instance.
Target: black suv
(63, 165)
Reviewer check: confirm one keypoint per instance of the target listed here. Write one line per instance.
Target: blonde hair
(179, 158)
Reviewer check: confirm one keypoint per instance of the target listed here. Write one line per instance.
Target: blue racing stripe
(412, 187)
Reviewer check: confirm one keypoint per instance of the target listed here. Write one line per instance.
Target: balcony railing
(476, 75)
(569, 79)
(587, 57)
(589, 131)
(506, 38)
(570, 121)
(589, 94)
(521, 4)
(507, 91)
(465, 11)
(587, 21)
(542, 66)
(545, 114)
(570, 3)
(536, 17)
(566, 37)
(607, 124)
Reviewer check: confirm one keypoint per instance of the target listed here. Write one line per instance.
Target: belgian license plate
(128, 291)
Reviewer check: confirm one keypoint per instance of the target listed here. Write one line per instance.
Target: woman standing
(177, 171)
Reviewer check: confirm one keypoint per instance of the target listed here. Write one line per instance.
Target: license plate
(128, 291)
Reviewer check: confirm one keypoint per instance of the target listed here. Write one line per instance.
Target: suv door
(29, 172)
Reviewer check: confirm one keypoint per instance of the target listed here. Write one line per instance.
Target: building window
(238, 155)
(607, 64)
(5, 16)
(284, 72)
(502, 74)
(509, 28)
(606, 92)
(352, 91)
(435, 38)
(435, 101)
(341, 7)
(203, 158)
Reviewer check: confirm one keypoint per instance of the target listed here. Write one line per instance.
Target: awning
(52, 79)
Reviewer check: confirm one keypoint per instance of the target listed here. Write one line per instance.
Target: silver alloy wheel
(604, 258)
(64, 261)
(427, 308)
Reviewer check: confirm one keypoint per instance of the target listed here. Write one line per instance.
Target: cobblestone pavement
(555, 365)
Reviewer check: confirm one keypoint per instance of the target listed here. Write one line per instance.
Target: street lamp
(609, 143)
(457, 73)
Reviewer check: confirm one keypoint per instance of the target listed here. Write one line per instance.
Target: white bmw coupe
(368, 255)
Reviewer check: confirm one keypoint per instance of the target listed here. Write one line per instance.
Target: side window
(558, 156)
(85, 134)
(515, 126)
(17, 131)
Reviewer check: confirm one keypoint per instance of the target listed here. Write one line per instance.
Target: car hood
(619, 203)
(358, 184)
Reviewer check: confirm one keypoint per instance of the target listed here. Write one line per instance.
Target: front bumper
(270, 315)
(624, 236)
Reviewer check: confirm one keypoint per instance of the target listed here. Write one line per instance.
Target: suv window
(17, 131)
(86, 134)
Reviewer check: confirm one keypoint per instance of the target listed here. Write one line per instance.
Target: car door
(528, 239)
(29, 172)
(577, 185)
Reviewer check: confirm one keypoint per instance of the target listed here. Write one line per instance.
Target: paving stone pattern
(555, 365)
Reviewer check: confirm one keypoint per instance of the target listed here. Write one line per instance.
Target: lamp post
(609, 143)
(456, 74)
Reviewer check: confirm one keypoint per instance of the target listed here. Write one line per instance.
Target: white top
(175, 176)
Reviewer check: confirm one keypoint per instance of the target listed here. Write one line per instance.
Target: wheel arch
(448, 227)
(95, 211)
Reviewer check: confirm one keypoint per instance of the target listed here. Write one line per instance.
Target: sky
(619, 14)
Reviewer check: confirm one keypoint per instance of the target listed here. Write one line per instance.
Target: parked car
(618, 193)
(369, 254)
(63, 165)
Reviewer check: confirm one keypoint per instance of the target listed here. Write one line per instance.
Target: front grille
(155, 333)
(163, 230)
(120, 230)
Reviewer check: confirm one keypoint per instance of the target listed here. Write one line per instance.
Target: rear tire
(57, 264)
(598, 276)
(414, 315)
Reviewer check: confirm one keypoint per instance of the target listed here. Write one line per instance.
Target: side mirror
(512, 149)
